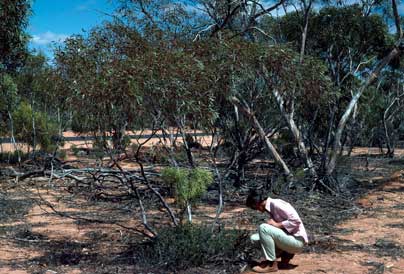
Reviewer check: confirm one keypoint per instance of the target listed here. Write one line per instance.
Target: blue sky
(54, 20)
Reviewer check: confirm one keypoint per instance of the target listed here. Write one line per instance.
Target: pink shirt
(282, 212)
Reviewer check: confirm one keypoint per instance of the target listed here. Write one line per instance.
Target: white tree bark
(189, 212)
(344, 119)
(288, 116)
(372, 77)
(386, 116)
(263, 136)
(12, 136)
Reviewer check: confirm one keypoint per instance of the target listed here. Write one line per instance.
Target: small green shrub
(99, 146)
(188, 184)
(45, 128)
(61, 154)
(75, 149)
(180, 156)
(99, 143)
(299, 174)
(126, 141)
(189, 246)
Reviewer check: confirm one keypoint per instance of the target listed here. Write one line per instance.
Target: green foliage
(342, 36)
(75, 149)
(126, 141)
(334, 29)
(8, 92)
(61, 154)
(188, 184)
(45, 128)
(299, 174)
(35, 85)
(13, 21)
(8, 99)
(99, 146)
(101, 79)
(188, 245)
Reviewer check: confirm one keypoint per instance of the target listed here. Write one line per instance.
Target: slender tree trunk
(170, 147)
(296, 133)
(59, 124)
(307, 9)
(220, 204)
(12, 136)
(144, 215)
(390, 147)
(188, 150)
(390, 150)
(241, 162)
(263, 136)
(33, 126)
(189, 212)
(117, 136)
(372, 77)
(344, 119)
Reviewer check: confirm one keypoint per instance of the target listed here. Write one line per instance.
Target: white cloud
(86, 5)
(47, 38)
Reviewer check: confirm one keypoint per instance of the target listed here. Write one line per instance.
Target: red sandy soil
(204, 140)
(381, 217)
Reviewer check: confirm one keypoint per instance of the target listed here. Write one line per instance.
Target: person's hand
(275, 224)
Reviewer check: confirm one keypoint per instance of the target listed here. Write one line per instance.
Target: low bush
(62, 154)
(75, 150)
(189, 246)
(188, 184)
(99, 148)
(45, 127)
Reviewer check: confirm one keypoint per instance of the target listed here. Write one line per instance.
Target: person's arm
(292, 221)
(275, 224)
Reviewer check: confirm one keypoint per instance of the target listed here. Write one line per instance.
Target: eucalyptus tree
(179, 89)
(8, 100)
(351, 40)
(13, 50)
(244, 86)
(393, 113)
(101, 76)
(393, 53)
(351, 43)
(381, 113)
(13, 38)
(161, 20)
(33, 88)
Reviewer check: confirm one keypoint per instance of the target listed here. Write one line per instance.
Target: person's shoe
(286, 266)
(286, 257)
(266, 267)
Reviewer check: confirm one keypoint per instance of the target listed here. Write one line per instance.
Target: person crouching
(283, 235)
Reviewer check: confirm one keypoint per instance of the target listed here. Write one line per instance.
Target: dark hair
(253, 199)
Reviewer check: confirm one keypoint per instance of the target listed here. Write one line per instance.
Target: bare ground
(359, 233)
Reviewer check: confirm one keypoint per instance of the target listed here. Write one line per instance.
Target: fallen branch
(89, 220)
